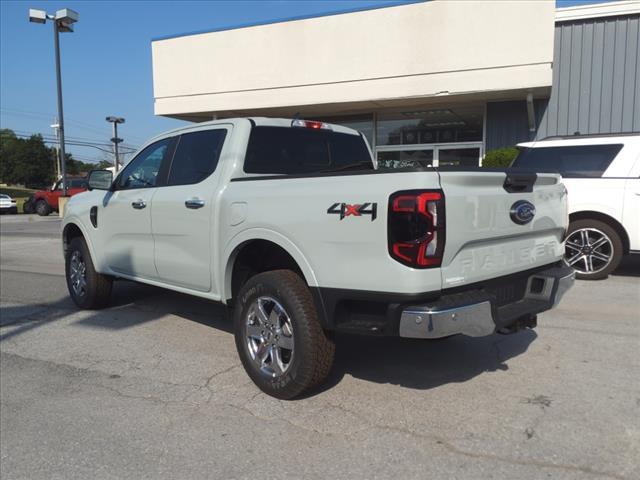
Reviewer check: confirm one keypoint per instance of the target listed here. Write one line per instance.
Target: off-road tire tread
(308, 331)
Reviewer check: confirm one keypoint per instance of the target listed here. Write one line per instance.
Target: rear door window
(291, 151)
(578, 161)
(196, 156)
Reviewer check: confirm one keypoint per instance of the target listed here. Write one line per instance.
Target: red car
(46, 201)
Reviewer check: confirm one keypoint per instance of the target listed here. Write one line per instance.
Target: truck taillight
(416, 227)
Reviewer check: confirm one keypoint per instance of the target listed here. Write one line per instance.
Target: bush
(499, 157)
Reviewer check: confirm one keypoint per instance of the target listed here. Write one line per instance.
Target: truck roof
(258, 121)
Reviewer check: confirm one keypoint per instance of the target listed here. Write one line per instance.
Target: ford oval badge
(522, 212)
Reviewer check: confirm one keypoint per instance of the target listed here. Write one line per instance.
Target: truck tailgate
(483, 240)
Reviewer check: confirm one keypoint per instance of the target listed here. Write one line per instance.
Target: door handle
(138, 204)
(194, 203)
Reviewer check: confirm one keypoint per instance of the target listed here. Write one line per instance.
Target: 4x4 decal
(345, 210)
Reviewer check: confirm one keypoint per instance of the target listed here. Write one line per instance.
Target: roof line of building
(598, 10)
(394, 3)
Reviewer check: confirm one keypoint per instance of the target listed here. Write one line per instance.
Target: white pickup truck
(291, 224)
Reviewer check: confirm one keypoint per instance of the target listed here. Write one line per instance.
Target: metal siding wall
(508, 123)
(596, 78)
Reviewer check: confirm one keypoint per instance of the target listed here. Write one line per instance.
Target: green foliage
(26, 161)
(499, 157)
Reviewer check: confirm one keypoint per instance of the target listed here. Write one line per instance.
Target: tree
(499, 157)
(25, 161)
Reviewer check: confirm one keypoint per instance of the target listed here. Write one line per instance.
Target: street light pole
(63, 21)
(115, 121)
(63, 156)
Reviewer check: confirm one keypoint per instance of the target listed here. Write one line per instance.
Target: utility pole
(115, 121)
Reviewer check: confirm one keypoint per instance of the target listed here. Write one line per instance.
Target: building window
(446, 125)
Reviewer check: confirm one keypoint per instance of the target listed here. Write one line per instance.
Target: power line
(49, 116)
(54, 141)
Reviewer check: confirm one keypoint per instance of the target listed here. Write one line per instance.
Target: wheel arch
(609, 220)
(263, 251)
(73, 229)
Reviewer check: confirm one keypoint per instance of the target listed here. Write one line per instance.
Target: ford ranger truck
(291, 224)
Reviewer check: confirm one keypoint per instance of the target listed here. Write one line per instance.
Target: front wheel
(88, 288)
(42, 208)
(281, 343)
(593, 249)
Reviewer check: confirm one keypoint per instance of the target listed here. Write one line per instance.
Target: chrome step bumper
(477, 314)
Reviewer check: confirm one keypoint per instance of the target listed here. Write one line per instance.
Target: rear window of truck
(291, 151)
(578, 161)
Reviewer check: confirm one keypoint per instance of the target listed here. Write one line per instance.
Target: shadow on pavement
(629, 267)
(423, 364)
(416, 364)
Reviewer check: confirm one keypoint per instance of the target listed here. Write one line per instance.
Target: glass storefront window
(405, 159)
(459, 157)
(447, 125)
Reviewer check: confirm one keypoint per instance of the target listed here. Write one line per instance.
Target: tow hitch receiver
(528, 321)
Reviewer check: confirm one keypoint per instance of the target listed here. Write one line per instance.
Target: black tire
(613, 248)
(13, 210)
(97, 290)
(42, 208)
(313, 351)
(29, 206)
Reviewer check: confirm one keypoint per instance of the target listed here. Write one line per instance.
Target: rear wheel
(593, 249)
(88, 288)
(42, 208)
(281, 343)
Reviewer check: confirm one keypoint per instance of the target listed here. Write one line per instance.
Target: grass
(16, 192)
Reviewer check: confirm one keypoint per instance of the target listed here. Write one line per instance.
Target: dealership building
(440, 81)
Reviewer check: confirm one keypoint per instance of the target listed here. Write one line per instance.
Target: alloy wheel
(588, 250)
(78, 274)
(269, 336)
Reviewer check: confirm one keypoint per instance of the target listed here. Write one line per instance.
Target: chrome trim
(474, 320)
(564, 284)
(194, 203)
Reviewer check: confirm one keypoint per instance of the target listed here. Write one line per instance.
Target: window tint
(196, 156)
(302, 150)
(142, 171)
(571, 161)
(78, 183)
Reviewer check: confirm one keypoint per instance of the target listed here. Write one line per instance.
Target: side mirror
(100, 180)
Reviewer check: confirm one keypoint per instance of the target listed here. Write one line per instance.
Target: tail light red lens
(416, 228)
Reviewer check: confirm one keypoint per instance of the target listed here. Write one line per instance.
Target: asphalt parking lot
(152, 388)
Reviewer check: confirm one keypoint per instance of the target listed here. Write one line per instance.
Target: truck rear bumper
(476, 315)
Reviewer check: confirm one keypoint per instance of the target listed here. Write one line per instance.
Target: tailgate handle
(519, 182)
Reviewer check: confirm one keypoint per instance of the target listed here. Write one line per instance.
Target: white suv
(601, 173)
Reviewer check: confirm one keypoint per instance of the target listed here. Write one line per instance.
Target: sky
(106, 62)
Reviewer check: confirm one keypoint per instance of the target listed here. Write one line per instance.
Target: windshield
(291, 151)
(575, 161)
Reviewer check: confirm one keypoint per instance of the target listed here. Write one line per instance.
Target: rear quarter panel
(349, 253)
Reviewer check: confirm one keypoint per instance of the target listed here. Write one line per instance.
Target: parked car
(44, 202)
(290, 224)
(602, 176)
(7, 204)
